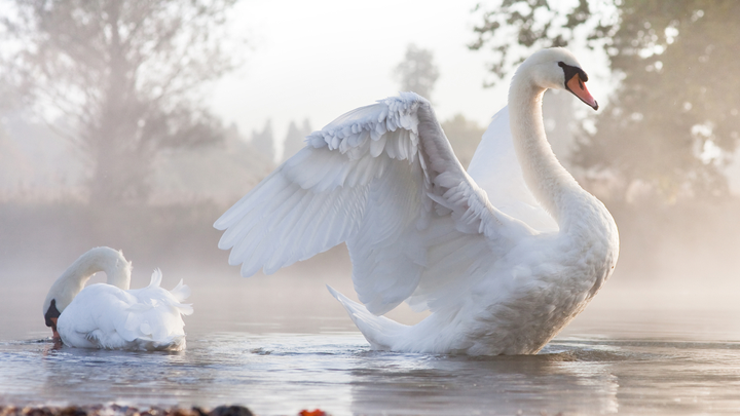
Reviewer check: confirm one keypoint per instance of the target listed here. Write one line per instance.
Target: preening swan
(503, 256)
(109, 315)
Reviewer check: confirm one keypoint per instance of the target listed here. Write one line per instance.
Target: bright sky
(319, 59)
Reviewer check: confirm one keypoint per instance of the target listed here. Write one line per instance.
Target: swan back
(104, 316)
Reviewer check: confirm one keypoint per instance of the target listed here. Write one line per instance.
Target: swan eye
(570, 71)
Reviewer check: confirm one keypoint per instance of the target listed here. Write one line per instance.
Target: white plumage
(503, 255)
(109, 315)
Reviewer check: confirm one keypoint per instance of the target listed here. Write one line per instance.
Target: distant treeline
(693, 240)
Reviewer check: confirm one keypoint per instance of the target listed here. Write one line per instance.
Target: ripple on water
(283, 373)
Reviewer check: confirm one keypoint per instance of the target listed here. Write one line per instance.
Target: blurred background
(135, 124)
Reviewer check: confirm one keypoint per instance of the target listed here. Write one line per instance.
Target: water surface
(251, 343)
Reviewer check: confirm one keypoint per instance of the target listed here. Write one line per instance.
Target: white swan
(503, 256)
(109, 315)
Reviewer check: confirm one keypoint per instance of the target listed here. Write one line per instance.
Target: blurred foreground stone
(117, 410)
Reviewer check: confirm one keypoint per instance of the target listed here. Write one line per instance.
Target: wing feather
(383, 179)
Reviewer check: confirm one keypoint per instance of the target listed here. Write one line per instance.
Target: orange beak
(55, 335)
(578, 88)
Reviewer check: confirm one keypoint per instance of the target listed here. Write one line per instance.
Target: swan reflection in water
(96, 376)
(548, 383)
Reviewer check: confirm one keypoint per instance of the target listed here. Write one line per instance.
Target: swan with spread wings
(503, 255)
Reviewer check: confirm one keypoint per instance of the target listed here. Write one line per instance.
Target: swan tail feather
(175, 298)
(382, 333)
(181, 291)
(156, 280)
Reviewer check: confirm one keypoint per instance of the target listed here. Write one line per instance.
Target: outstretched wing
(383, 179)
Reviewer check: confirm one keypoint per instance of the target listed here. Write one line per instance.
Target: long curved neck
(99, 259)
(545, 176)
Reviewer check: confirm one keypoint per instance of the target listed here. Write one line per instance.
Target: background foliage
(672, 123)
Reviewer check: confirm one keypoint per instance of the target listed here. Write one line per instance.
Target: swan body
(503, 255)
(109, 315)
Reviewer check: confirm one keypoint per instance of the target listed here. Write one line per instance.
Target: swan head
(558, 68)
(51, 316)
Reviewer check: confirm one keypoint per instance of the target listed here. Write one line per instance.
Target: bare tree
(417, 72)
(121, 79)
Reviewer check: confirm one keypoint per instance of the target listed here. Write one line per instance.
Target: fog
(678, 253)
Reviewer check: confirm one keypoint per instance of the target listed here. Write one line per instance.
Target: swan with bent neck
(503, 255)
(109, 315)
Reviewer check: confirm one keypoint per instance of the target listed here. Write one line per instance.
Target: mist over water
(299, 350)
(281, 343)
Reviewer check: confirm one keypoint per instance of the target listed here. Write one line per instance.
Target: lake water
(281, 344)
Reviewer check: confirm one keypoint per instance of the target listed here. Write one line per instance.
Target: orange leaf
(316, 412)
